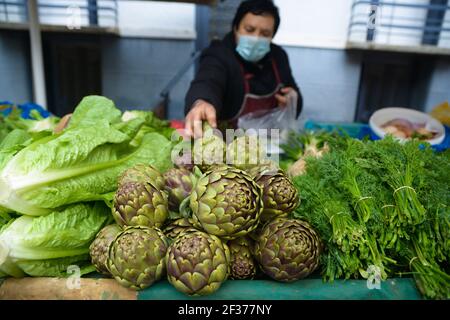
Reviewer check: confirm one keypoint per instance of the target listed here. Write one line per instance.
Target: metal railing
(401, 22)
(78, 13)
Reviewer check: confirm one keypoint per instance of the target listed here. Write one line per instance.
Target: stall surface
(306, 289)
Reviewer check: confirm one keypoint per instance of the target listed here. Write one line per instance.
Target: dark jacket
(220, 82)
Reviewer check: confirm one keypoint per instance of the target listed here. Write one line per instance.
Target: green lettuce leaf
(82, 163)
(47, 245)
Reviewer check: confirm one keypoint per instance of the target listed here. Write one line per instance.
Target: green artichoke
(197, 263)
(140, 204)
(280, 196)
(208, 150)
(288, 249)
(136, 257)
(264, 168)
(226, 202)
(177, 227)
(242, 264)
(142, 173)
(98, 249)
(178, 185)
(246, 152)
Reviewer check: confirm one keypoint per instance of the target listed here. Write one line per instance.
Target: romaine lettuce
(47, 245)
(81, 163)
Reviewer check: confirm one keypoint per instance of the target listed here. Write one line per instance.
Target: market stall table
(306, 289)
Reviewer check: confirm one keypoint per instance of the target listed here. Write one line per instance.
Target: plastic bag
(282, 119)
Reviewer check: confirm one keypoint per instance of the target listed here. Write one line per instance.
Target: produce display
(380, 207)
(57, 188)
(102, 193)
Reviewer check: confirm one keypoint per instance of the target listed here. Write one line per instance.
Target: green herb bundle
(383, 204)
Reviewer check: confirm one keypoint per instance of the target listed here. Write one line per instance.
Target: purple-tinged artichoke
(98, 249)
(177, 227)
(143, 174)
(288, 249)
(178, 185)
(280, 196)
(197, 263)
(136, 257)
(140, 204)
(242, 265)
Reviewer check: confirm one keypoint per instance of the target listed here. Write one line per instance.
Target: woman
(242, 73)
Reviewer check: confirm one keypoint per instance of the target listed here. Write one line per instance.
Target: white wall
(142, 19)
(318, 23)
(157, 19)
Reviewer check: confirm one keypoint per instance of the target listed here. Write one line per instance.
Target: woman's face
(256, 25)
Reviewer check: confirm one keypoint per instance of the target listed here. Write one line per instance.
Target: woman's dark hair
(257, 7)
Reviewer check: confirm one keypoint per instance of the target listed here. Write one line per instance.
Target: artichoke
(242, 264)
(177, 227)
(98, 249)
(178, 186)
(246, 152)
(197, 263)
(142, 173)
(226, 202)
(268, 167)
(140, 204)
(208, 150)
(136, 257)
(280, 196)
(288, 249)
(182, 155)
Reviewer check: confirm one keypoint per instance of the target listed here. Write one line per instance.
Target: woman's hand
(201, 110)
(281, 98)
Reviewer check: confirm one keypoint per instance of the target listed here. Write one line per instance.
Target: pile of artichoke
(203, 225)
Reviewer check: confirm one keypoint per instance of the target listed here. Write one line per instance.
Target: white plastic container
(380, 117)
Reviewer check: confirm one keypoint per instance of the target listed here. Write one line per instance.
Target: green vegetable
(140, 204)
(197, 263)
(380, 204)
(36, 126)
(80, 164)
(246, 152)
(280, 197)
(99, 248)
(141, 173)
(48, 245)
(242, 265)
(226, 202)
(288, 249)
(179, 183)
(136, 257)
(209, 149)
(177, 227)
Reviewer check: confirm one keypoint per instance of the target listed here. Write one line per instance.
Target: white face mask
(253, 48)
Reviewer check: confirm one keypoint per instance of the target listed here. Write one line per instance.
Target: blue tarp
(26, 108)
(362, 130)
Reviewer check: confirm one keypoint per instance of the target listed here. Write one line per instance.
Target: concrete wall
(15, 72)
(329, 81)
(134, 71)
